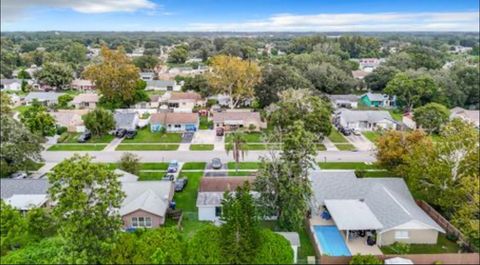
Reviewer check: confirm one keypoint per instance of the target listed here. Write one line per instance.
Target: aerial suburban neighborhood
(155, 133)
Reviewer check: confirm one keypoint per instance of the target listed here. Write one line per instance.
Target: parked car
(356, 132)
(19, 175)
(216, 163)
(180, 184)
(169, 177)
(130, 134)
(84, 137)
(220, 131)
(120, 133)
(173, 166)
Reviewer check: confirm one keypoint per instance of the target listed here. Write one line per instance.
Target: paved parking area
(360, 142)
(187, 137)
(204, 137)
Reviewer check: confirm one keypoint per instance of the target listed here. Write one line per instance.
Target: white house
(471, 116)
(10, 84)
(364, 120)
(147, 76)
(126, 120)
(46, 98)
(210, 195)
(344, 101)
(174, 122)
(163, 85)
(182, 100)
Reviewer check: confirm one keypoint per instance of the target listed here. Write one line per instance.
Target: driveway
(204, 137)
(360, 142)
(187, 137)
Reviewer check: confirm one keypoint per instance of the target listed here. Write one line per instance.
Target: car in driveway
(84, 137)
(130, 134)
(120, 133)
(356, 132)
(169, 177)
(216, 163)
(173, 166)
(220, 131)
(19, 175)
(180, 184)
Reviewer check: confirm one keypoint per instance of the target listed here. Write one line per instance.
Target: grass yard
(147, 147)
(378, 174)
(345, 147)
(21, 108)
(443, 246)
(250, 137)
(34, 166)
(204, 123)
(346, 165)
(186, 200)
(151, 175)
(306, 248)
(336, 137)
(201, 147)
(244, 165)
(194, 165)
(68, 137)
(258, 147)
(321, 147)
(372, 136)
(77, 147)
(396, 114)
(146, 136)
(107, 138)
(154, 166)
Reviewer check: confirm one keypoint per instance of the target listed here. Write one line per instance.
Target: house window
(178, 126)
(148, 222)
(141, 222)
(401, 235)
(134, 221)
(218, 211)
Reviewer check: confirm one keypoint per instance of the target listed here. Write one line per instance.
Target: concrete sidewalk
(113, 144)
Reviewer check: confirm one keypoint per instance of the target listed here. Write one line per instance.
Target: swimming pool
(331, 241)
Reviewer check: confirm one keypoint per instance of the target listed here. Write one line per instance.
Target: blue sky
(241, 15)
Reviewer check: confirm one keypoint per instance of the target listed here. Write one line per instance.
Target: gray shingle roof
(124, 119)
(43, 96)
(150, 196)
(10, 187)
(376, 96)
(160, 83)
(388, 198)
(364, 115)
(346, 97)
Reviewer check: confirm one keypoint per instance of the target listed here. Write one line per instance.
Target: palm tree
(237, 146)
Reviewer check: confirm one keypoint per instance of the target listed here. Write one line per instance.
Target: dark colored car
(346, 131)
(169, 177)
(84, 137)
(172, 167)
(130, 134)
(220, 131)
(120, 133)
(216, 163)
(180, 184)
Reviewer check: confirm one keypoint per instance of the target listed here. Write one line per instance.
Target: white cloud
(12, 10)
(448, 21)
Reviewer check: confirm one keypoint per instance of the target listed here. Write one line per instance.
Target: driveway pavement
(204, 137)
(187, 137)
(113, 144)
(360, 142)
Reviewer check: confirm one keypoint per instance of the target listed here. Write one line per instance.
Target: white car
(356, 132)
(19, 175)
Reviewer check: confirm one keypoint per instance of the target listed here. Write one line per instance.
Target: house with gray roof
(46, 98)
(364, 120)
(126, 120)
(383, 206)
(349, 101)
(163, 85)
(378, 100)
(10, 84)
(24, 194)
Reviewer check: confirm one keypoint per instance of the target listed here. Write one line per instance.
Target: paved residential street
(204, 156)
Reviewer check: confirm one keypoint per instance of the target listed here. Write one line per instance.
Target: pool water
(331, 241)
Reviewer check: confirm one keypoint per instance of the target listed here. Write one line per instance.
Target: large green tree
(160, 246)
(146, 62)
(179, 54)
(411, 91)
(273, 249)
(99, 121)
(205, 246)
(379, 78)
(13, 229)
(87, 196)
(431, 117)
(38, 120)
(301, 105)
(328, 78)
(56, 75)
(5, 103)
(240, 231)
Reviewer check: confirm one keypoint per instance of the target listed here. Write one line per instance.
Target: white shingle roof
(43, 96)
(388, 198)
(364, 115)
(149, 196)
(27, 201)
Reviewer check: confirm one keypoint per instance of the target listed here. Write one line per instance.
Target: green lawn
(258, 147)
(77, 147)
(194, 165)
(244, 165)
(107, 138)
(306, 248)
(250, 137)
(379, 174)
(336, 137)
(153, 166)
(186, 200)
(146, 136)
(346, 165)
(372, 136)
(443, 246)
(204, 123)
(34, 166)
(321, 147)
(147, 147)
(396, 114)
(68, 137)
(345, 147)
(151, 175)
(201, 147)
(21, 108)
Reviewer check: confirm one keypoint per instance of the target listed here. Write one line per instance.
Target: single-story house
(25, 194)
(82, 84)
(382, 205)
(153, 103)
(378, 100)
(85, 101)
(174, 122)
(222, 99)
(365, 120)
(210, 195)
(349, 101)
(72, 119)
(147, 76)
(126, 120)
(232, 120)
(46, 98)
(359, 74)
(369, 64)
(163, 85)
(294, 240)
(182, 100)
(146, 203)
(472, 116)
(10, 84)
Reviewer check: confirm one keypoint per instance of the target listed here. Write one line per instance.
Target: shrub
(365, 259)
(145, 115)
(400, 248)
(360, 173)
(252, 127)
(61, 130)
(130, 163)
